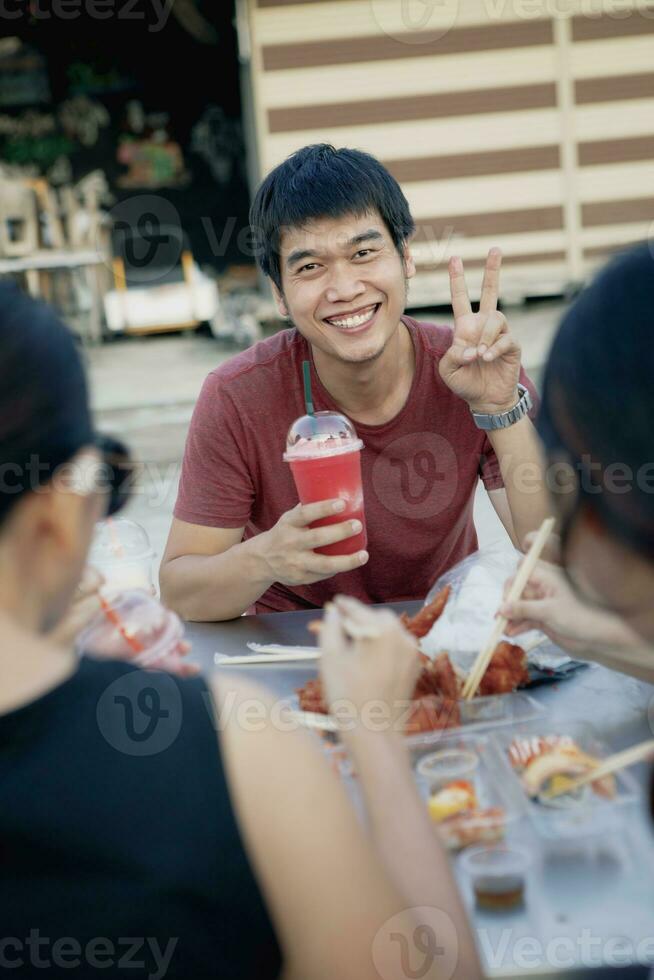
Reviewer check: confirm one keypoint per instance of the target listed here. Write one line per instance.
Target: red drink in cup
(324, 454)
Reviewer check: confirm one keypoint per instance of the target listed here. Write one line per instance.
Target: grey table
(589, 902)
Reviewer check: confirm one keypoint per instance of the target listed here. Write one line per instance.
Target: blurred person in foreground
(148, 822)
(436, 409)
(597, 425)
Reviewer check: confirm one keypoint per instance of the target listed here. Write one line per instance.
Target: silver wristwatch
(504, 419)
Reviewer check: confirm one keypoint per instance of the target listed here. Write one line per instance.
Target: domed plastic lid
(322, 434)
(118, 540)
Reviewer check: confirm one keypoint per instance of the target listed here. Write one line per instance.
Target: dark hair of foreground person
(117, 849)
(596, 417)
(598, 401)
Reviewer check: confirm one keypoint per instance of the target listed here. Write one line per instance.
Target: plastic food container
(477, 715)
(498, 875)
(484, 713)
(563, 817)
(122, 553)
(467, 761)
(133, 626)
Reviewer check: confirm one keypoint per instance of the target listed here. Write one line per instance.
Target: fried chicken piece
(420, 624)
(506, 671)
(426, 682)
(311, 697)
(446, 678)
(428, 713)
(432, 713)
(437, 677)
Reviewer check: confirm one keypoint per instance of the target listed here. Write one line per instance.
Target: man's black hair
(320, 181)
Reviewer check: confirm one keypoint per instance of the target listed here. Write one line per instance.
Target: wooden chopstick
(484, 657)
(224, 660)
(620, 760)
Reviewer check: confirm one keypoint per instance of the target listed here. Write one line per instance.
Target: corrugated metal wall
(523, 123)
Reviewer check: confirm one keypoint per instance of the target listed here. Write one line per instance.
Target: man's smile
(354, 320)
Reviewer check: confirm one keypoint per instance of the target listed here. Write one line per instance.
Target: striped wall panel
(612, 67)
(374, 112)
(534, 133)
(380, 46)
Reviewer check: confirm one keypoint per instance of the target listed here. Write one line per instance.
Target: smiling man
(435, 408)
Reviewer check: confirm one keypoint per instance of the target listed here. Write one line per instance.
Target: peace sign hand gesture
(483, 364)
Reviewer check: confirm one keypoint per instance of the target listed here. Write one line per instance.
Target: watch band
(505, 419)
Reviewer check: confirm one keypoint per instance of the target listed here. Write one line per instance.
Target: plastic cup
(132, 626)
(122, 553)
(324, 453)
(447, 766)
(498, 875)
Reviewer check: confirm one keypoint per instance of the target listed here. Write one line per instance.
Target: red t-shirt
(420, 470)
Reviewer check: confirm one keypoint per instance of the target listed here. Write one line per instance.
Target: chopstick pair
(483, 659)
(620, 760)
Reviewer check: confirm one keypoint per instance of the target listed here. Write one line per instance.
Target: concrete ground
(143, 389)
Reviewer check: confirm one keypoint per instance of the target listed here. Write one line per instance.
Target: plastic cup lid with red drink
(321, 434)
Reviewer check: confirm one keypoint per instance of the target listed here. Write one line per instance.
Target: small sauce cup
(498, 875)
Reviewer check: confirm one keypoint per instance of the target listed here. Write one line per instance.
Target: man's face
(344, 285)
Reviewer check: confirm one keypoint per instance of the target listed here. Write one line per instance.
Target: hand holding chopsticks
(355, 618)
(484, 657)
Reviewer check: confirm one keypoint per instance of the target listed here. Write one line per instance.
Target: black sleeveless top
(119, 851)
